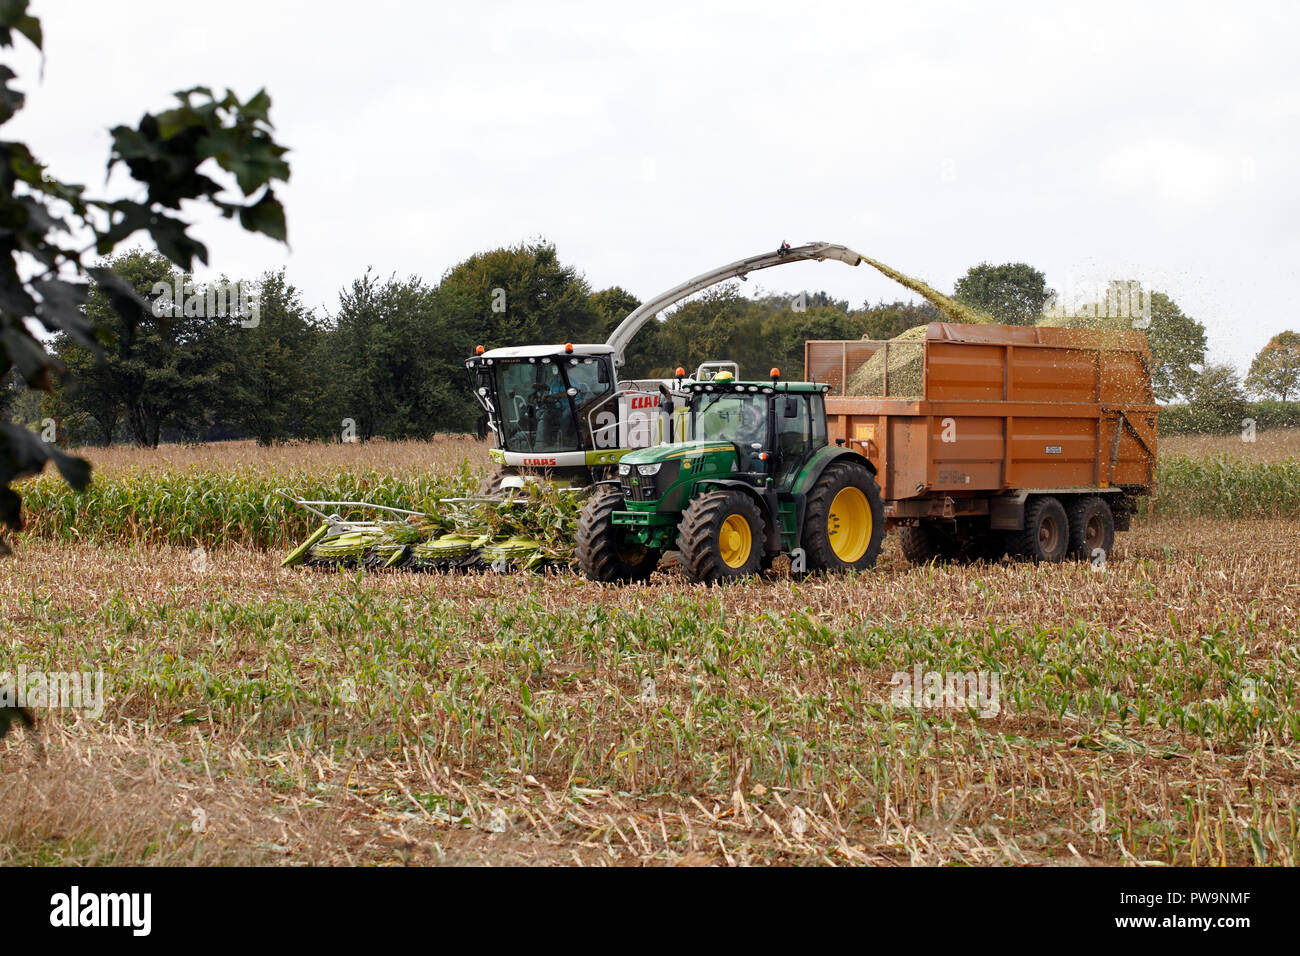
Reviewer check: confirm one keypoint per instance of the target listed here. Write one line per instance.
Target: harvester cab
(562, 412)
(754, 479)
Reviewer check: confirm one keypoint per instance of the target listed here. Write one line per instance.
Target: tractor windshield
(737, 417)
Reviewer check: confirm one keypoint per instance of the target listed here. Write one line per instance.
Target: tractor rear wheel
(844, 524)
(1046, 535)
(1092, 527)
(721, 536)
(605, 551)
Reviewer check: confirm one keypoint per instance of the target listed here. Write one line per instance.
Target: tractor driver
(549, 400)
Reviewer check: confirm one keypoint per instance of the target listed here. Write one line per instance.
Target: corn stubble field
(313, 717)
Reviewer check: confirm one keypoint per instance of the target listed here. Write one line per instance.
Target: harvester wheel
(1046, 536)
(721, 536)
(603, 549)
(1092, 526)
(844, 525)
(490, 486)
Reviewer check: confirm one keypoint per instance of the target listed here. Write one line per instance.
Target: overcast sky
(651, 142)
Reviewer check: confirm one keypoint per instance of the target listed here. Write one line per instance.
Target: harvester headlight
(647, 470)
(625, 469)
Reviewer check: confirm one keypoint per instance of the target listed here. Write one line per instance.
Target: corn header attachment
(522, 530)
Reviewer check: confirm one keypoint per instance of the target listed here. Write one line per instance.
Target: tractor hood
(682, 449)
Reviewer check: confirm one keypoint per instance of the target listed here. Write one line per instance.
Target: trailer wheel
(721, 536)
(1092, 527)
(604, 550)
(1046, 536)
(924, 543)
(844, 525)
(990, 546)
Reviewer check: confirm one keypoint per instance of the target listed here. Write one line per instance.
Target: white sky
(652, 142)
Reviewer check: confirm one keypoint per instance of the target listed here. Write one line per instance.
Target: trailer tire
(603, 552)
(1046, 535)
(924, 543)
(721, 536)
(844, 524)
(990, 546)
(1092, 526)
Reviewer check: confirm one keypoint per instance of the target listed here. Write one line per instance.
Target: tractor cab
(775, 427)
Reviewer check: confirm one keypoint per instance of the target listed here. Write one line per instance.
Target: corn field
(242, 505)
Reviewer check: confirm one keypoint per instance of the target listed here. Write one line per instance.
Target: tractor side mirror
(791, 407)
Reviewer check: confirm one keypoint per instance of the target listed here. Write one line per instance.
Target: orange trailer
(995, 438)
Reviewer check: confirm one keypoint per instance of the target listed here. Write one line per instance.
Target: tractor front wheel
(844, 526)
(605, 551)
(721, 536)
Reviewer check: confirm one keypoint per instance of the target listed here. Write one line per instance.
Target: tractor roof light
(775, 373)
(479, 350)
(568, 347)
(681, 372)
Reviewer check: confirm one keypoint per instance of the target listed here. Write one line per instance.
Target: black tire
(990, 546)
(490, 486)
(824, 529)
(700, 537)
(1046, 536)
(603, 551)
(1092, 526)
(924, 543)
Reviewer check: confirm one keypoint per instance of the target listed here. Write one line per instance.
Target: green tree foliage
(759, 334)
(613, 306)
(885, 320)
(719, 324)
(390, 358)
(151, 370)
(1275, 371)
(1218, 402)
(1014, 293)
(277, 387)
(517, 295)
(41, 270)
(1178, 346)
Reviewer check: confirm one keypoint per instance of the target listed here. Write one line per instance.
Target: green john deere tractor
(756, 479)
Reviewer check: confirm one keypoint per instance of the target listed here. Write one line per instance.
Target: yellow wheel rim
(735, 541)
(848, 524)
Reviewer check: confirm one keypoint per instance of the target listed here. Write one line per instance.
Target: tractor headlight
(624, 470)
(647, 470)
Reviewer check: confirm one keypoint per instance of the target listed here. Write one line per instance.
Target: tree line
(388, 361)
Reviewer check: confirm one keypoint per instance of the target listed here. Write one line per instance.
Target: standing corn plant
(43, 275)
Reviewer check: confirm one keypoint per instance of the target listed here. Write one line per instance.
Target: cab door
(800, 427)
